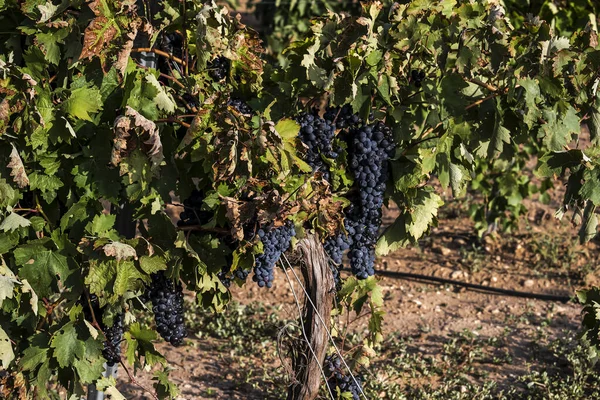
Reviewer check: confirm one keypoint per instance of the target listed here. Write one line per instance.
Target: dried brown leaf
(97, 36)
(18, 169)
(125, 52)
(150, 135)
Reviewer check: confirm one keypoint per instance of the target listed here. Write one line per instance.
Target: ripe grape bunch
(343, 117)
(218, 68)
(317, 134)
(370, 148)
(338, 380)
(240, 106)
(275, 242)
(113, 333)
(167, 305)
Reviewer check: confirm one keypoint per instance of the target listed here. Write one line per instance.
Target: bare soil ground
(542, 256)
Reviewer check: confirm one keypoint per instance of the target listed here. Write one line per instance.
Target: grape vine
(457, 95)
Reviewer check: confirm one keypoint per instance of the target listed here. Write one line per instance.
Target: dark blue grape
(167, 305)
(370, 148)
(218, 68)
(113, 333)
(317, 134)
(337, 378)
(275, 242)
(240, 106)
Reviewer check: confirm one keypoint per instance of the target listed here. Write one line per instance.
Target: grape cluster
(240, 105)
(417, 77)
(113, 334)
(317, 134)
(167, 305)
(275, 242)
(343, 117)
(370, 149)
(192, 214)
(337, 379)
(218, 68)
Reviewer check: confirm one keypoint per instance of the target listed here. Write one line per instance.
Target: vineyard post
(320, 289)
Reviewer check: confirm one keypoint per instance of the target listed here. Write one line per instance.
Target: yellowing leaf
(6, 351)
(82, 102)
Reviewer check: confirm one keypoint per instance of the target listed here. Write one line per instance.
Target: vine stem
(485, 85)
(159, 52)
(184, 124)
(135, 382)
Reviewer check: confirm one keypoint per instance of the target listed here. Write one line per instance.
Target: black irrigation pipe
(490, 290)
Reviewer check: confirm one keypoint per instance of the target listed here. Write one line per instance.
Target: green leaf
(100, 275)
(394, 237)
(32, 357)
(287, 129)
(14, 221)
(6, 352)
(101, 224)
(559, 128)
(108, 386)
(82, 102)
(423, 213)
(7, 283)
(67, 345)
(90, 367)
(127, 278)
(151, 265)
(41, 268)
(589, 226)
(163, 100)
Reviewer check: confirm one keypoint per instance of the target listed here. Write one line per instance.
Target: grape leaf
(163, 100)
(423, 212)
(394, 237)
(90, 366)
(41, 267)
(6, 352)
(7, 282)
(17, 169)
(127, 278)
(14, 221)
(82, 102)
(67, 345)
(151, 265)
(101, 225)
(33, 356)
(26, 288)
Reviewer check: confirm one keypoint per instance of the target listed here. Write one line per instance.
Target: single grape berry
(167, 305)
